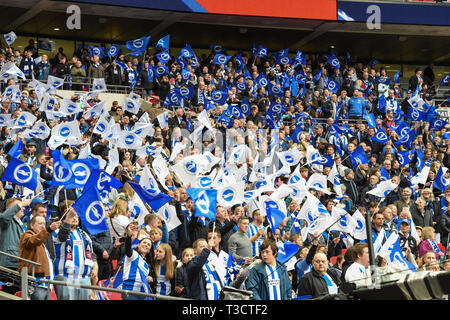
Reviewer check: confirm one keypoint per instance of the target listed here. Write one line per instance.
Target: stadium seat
(333, 260)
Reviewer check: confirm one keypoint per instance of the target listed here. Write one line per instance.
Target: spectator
(239, 244)
(165, 270)
(320, 281)
(358, 272)
(428, 243)
(269, 280)
(32, 248)
(12, 228)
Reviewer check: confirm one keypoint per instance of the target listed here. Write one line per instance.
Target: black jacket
(314, 285)
(196, 277)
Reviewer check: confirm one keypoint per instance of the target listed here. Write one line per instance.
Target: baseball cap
(405, 221)
(36, 201)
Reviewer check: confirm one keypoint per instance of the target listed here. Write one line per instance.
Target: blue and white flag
(333, 61)
(138, 45)
(96, 51)
(163, 43)
(445, 80)
(131, 105)
(300, 58)
(360, 229)
(219, 97)
(261, 81)
(221, 58)
(437, 124)
(161, 70)
(275, 90)
(261, 52)
(406, 139)
(324, 161)
(415, 114)
(245, 106)
(240, 63)
(358, 156)
(187, 52)
(154, 200)
(89, 208)
(403, 157)
(102, 181)
(235, 111)
(114, 50)
(440, 181)
(99, 84)
(392, 252)
(21, 173)
(205, 201)
(163, 57)
(10, 38)
(333, 86)
(16, 149)
(287, 251)
(380, 136)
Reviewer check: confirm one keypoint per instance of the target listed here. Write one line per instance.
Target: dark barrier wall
(411, 13)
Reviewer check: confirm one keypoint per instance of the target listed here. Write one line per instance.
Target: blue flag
(154, 199)
(163, 57)
(235, 111)
(397, 77)
(415, 114)
(403, 157)
(380, 136)
(240, 63)
(275, 90)
(205, 201)
(406, 139)
(297, 134)
(437, 124)
(114, 50)
(245, 106)
(358, 156)
(445, 80)
(261, 81)
(440, 181)
(103, 181)
(261, 52)
(333, 86)
(186, 92)
(21, 173)
(333, 61)
(219, 97)
(370, 118)
(96, 51)
(275, 109)
(384, 174)
(419, 159)
(324, 161)
(187, 52)
(233, 269)
(161, 71)
(221, 59)
(16, 149)
(317, 76)
(72, 174)
(140, 44)
(163, 43)
(89, 208)
(287, 251)
(275, 217)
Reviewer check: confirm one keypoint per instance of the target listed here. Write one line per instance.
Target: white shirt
(358, 274)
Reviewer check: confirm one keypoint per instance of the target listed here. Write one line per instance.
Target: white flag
(230, 195)
(99, 84)
(161, 170)
(318, 182)
(187, 170)
(179, 146)
(196, 134)
(360, 229)
(163, 119)
(383, 188)
(131, 105)
(204, 119)
(345, 221)
(10, 38)
(129, 140)
(290, 157)
(97, 110)
(169, 214)
(54, 82)
(68, 107)
(113, 160)
(421, 177)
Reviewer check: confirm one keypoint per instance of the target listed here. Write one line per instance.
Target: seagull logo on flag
(203, 202)
(191, 166)
(129, 139)
(228, 195)
(23, 173)
(81, 172)
(64, 132)
(95, 213)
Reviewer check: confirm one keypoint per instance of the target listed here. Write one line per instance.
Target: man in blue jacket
(269, 280)
(357, 107)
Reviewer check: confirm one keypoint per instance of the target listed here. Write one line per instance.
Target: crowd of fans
(191, 260)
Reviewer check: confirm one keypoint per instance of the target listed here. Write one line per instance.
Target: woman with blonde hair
(119, 219)
(165, 270)
(429, 243)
